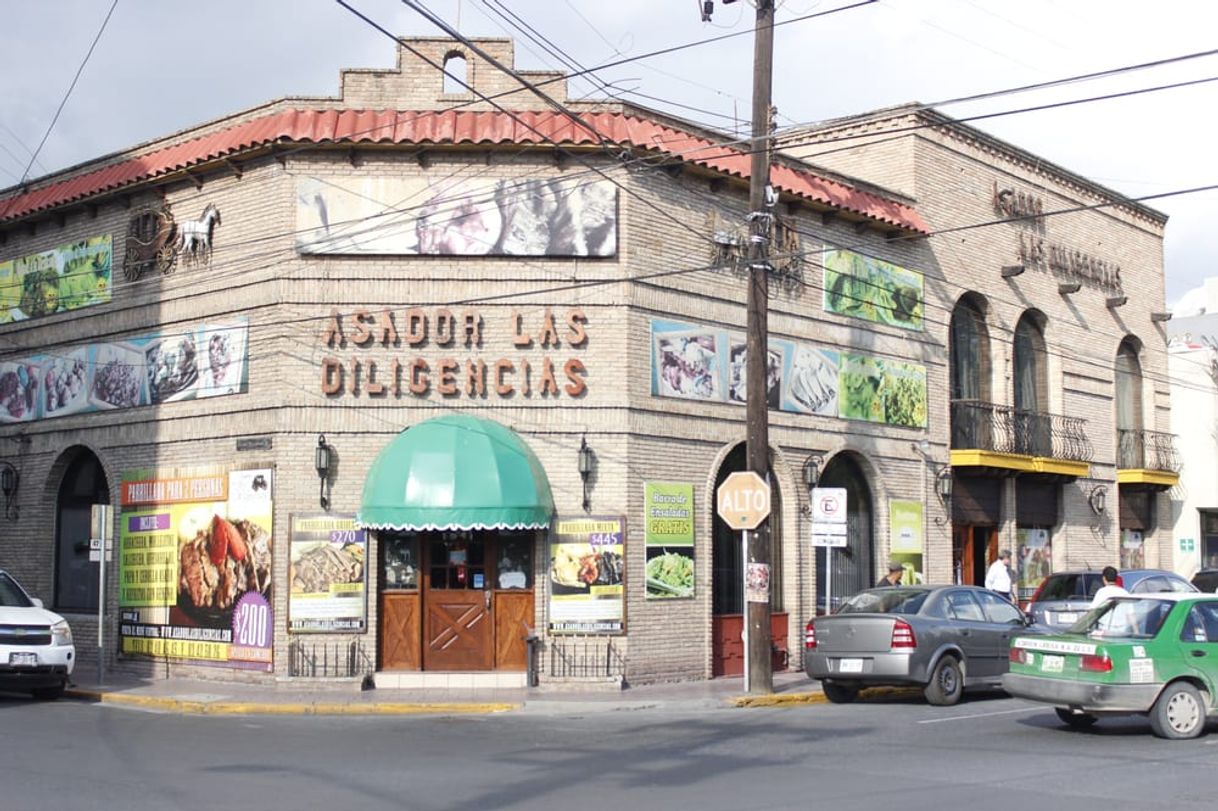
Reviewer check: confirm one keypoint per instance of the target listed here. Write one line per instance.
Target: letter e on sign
(743, 500)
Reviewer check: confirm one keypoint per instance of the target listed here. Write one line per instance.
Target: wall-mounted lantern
(322, 459)
(586, 462)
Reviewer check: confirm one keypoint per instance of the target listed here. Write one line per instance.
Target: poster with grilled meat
(195, 566)
(586, 575)
(327, 574)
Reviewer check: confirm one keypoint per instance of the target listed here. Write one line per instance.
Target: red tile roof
(455, 127)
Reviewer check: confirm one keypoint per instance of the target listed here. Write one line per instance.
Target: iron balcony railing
(978, 425)
(1146, 450)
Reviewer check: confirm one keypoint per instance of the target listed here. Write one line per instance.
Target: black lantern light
(811, 470)
(321, 461)
(10, 480)
(943, 484)
(586, 461)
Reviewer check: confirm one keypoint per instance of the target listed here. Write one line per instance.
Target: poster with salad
(871, 289)
(668, 537)
(879, 390)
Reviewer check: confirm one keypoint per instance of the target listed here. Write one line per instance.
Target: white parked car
(36, 650)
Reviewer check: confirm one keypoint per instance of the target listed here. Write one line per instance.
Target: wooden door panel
(399, 626)
(727, 646)
(457, 631)
(514, 617)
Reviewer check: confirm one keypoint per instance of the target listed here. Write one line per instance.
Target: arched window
(970, 376)
(1031, 423)
(853, 567)
(1131, 451)
(83, 485)
(455, 80)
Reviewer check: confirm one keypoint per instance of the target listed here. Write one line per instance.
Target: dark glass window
(1128, 388)
(970, 361)
(400, 561)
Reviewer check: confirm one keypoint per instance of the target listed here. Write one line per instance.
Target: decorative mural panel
(872, 289)
(199, 361)
(694, 362)
(524, 216)
(62, 279)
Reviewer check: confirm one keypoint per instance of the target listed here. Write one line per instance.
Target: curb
(818, 697)
(286, 708)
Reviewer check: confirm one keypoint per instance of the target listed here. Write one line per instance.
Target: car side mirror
(37, 603)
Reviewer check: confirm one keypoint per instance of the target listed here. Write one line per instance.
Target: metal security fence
(576, 658)
(329, 660)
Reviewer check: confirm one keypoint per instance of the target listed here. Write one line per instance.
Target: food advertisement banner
(1035, 559)
(872, 289)
(64, 278)
(521, 216)
(905, 526)
(668, 537)
(202, 361)
(586, 575)
(327, 575)
(705, 363)
(194, 567)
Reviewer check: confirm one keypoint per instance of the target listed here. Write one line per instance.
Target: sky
(161, 66)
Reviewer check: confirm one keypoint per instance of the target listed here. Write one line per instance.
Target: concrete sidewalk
(200, 697)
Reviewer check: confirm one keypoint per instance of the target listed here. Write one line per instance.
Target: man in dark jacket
(893, 578)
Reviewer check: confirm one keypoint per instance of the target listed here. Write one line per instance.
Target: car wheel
(1178, 713)
(840, 693)
(1075, 720)
(946, 683)
(48, 693)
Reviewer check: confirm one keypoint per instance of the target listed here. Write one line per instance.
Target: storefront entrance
(460, 505)
(456, 601)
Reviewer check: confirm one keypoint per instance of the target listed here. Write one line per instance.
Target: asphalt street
(990, 752)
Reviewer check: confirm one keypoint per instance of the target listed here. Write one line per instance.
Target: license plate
(1067, 616)
(25, 659)
(850, 666)
(1051, 664)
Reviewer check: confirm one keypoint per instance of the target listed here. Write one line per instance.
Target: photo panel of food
(65, 382)
(222, 362)
(171, 363)
(119, 379)
(738, 370)
(871, 289)
(577, 567)
(19, 384)
(811, 381)
(686, 363)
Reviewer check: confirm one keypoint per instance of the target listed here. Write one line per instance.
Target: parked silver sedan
(940, 638)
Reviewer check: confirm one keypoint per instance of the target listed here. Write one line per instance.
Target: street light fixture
(10, 480)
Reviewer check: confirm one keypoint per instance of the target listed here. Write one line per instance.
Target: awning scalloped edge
(447, 527)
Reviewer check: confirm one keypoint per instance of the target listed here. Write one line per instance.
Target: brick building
(398, 381)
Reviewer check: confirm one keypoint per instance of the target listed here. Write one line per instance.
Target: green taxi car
(1152, 654)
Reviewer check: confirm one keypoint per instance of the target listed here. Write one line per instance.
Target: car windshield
(11, 595)
(1128, 619)
(885, 601)
(1070, 586)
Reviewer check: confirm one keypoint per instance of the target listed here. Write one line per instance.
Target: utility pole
(757, 548)
(757, 614)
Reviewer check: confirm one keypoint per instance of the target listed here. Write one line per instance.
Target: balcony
(1147, 458)
(991, 435)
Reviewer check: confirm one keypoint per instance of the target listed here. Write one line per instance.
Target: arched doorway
(853, 567)
(727, 576)
(83, 485)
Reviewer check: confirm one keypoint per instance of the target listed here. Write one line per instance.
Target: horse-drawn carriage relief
(150, 242)
(154, 240)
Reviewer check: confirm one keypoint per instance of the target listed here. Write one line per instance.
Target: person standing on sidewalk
(998, 576)
(893, 578)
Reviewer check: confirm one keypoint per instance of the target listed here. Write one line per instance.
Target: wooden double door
(456, 601)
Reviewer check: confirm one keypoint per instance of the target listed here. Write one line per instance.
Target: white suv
(36, 650)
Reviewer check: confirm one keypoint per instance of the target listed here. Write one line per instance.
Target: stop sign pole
(743, 502)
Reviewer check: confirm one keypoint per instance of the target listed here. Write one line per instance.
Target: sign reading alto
(743, 500)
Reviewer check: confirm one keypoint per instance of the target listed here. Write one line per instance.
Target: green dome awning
(456, 472)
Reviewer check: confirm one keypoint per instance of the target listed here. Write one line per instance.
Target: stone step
(419, 680)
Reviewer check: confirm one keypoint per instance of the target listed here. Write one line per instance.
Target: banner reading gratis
(586, 572)
(327, 575)
(669, 539)
(195, 566)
